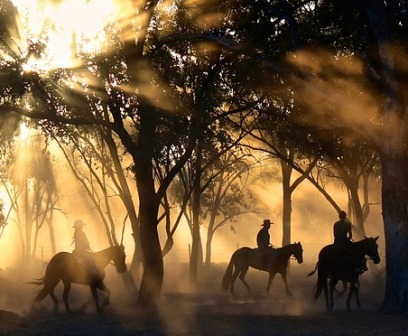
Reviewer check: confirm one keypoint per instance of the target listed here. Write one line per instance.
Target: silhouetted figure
(342, 230)
(336, 263)
(246, 257)
(267, 253)
(80, 239)
(82, 247)
(64, 267)
(263, 237)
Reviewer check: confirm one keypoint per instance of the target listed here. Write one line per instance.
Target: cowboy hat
(78, 224)
(266, 222)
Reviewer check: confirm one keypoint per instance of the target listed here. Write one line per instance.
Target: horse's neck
(286, 250)
(358, 247)
(103, 257)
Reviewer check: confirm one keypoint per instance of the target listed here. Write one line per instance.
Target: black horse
(337, 263)
(68, 268)
(246, 257)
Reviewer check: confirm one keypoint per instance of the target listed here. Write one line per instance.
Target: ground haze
(198, 310)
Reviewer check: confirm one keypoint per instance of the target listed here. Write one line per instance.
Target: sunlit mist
(65, 27)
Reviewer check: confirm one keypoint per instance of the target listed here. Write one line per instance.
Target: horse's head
(119, 258)
(297, 252)
(371, 248)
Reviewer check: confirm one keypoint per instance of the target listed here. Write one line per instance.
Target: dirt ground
(204, 310)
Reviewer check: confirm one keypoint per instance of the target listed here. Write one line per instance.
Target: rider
(82, 247)
(342, 231)
(263, 241)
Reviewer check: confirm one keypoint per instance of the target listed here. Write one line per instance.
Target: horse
(246, 257)
(69, 268)
(337, 263)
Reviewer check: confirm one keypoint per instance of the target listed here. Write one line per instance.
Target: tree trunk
(287, 203)
(51, 232)
(152, 279)
(393, 155)
(394, 205)
(358, 211)
(127, 200)
(208, 243)
(196, 239)
(153, 270)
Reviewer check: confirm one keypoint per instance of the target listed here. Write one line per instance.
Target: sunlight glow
(24, 131)
(68, 28)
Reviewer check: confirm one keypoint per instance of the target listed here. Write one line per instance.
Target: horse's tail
(314, 271)
(36, 282)
(321, 282)
(49, 280)
(42, 293)
(226, 280)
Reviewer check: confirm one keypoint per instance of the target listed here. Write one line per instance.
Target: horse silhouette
(68, 268)
(338, 263)
(246, 257)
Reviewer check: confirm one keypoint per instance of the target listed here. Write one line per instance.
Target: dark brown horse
(337, 263)
(69, 268)
(246, 257)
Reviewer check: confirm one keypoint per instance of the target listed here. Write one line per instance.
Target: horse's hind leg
(332, 285)
(95, 296)
(54, 299)
(233, 279)
(356, 290)
(353, 289)
(270, 279)
(242, 278)
(329, 307)
(67, 288)
(107, 291)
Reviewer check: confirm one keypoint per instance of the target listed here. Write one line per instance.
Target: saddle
(266, 256)
(86, 260)
(359, 262)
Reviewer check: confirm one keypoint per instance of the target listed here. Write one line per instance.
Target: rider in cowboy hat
(82, 247)
(80, 239)
(263, 237)
(267, 254)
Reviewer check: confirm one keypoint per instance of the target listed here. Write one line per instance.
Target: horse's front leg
(271, 277)
(285, 281)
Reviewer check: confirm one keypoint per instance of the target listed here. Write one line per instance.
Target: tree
(362, 52)
(30, 186)
(225, 195)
